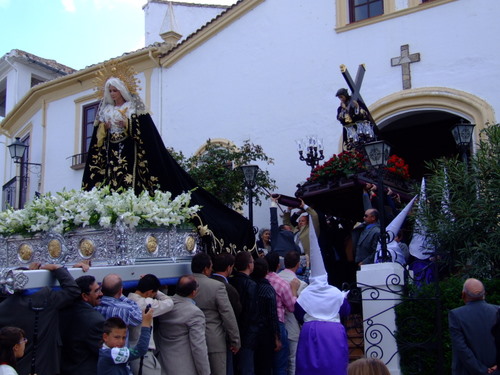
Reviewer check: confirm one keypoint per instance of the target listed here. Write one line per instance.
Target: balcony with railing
(78, 161)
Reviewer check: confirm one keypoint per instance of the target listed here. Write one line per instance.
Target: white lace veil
(137, 106)
(118, 83)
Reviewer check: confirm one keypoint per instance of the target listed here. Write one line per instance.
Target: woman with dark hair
(12, 343)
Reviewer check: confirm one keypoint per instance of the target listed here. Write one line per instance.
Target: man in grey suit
(180, 334)
(473, 344)
(366, 236)
(221, 324)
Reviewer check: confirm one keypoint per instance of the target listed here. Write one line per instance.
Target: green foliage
(421, 318)
(216, 170)
(462, 211)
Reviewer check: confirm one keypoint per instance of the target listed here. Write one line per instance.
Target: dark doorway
(421, 136)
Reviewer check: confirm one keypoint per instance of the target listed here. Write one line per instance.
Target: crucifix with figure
(355, 87)
(353, 114)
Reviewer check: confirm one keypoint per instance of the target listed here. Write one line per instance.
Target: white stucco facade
(270, 75)
(183, 18)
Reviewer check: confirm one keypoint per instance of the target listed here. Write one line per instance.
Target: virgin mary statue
(126, 151)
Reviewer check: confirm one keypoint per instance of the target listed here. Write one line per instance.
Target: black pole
(381, 217)
(464, 154)
(250, 205)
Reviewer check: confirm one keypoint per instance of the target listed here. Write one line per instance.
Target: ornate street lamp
(250, 174)
(17, 150)
(378, 153)
(462, 133)
(314, 150)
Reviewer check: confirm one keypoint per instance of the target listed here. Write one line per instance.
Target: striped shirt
(266, 307)
(284, 297)
(122, 307)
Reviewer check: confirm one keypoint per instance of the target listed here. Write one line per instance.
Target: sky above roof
(76, 33)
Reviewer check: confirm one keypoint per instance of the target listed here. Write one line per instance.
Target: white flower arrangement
(67, 210)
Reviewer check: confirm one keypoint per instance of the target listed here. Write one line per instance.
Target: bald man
(366, 236)
(114, 303)
(473, 344)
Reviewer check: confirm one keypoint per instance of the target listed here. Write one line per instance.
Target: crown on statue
(118, 69)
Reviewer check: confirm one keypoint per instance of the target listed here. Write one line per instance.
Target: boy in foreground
(114, 355)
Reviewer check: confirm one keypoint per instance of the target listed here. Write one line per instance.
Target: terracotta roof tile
(51, 64)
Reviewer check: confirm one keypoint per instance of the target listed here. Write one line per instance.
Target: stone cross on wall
(405, 60)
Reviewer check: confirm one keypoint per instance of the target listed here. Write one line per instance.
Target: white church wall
(259, 79)
(272, 76)
(188, 18)
(60, 144)
(12, 94)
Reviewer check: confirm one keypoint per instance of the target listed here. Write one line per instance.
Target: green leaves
(215, 169)
(462, 212)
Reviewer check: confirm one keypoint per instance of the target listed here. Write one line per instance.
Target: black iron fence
(418, 322)
(9, 194)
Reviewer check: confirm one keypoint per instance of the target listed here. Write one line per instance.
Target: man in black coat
(366, 237)
(38, 315)
(473, 344)
(282, 237)
(223, 268)
(81, 330)
(248, 323)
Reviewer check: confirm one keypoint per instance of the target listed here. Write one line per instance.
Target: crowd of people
(237, 314)
(269, 312)
(241, 314)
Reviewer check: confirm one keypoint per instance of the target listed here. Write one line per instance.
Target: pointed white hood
(320, 299)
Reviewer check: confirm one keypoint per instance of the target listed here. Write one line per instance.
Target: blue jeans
(280, 359)
(244, 359)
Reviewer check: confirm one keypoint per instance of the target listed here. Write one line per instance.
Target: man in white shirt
(148, 294)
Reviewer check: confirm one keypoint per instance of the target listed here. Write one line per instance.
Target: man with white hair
(473, 344)
(302, 229)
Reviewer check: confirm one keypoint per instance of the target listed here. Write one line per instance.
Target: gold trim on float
(25, 253)
(151, 244)
(54, 248)
(218, 244)
(190, 243)
(86, 248)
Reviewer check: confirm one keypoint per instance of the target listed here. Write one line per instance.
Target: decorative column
(381, 289)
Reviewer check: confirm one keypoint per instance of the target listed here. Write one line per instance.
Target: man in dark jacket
(282, 237)
(365, 237)
(38, 315)
(473, 344)
(247, 320)
(81, 330)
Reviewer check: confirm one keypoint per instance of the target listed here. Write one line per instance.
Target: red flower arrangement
(341, 165)
(398, 167)
(351, 162)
